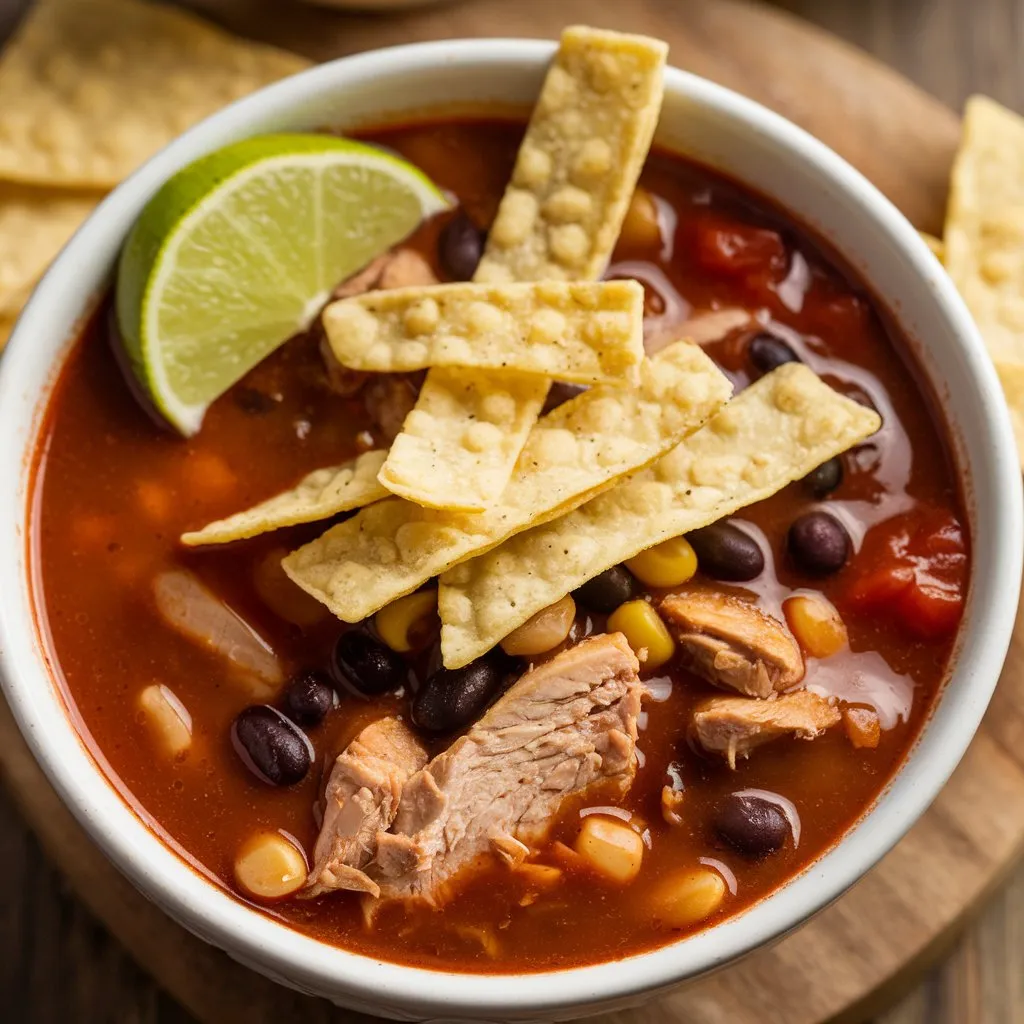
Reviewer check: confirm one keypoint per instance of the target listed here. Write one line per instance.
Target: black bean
(752, 825)
(270, 746)
(367, 666)
(606, 592)
(767, 352)
(725, 552)
(452, 698)
(561, 391)
(254, 402)
(460, 247)
(818, 543)
(826, 478)
(308, 697)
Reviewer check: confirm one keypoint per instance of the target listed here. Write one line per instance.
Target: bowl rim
(162, 874)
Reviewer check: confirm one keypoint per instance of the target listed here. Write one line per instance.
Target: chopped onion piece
(659, 688)
(615, 812)
(198, 614)
(724, 870)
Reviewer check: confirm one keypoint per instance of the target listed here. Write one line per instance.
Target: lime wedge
(239, 251)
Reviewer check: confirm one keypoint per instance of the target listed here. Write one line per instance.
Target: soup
(759, 679)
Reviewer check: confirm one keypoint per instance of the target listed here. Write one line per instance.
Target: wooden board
(857, 955)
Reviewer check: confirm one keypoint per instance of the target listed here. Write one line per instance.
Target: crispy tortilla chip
(318, 495)
(774, 432)
(936, 245)
(1011, 376)
(467, 428)
(985, 225)
(559, 218)
(89, 89)
(577, 450)
(34, 225)
(579, 161)
(586, 332)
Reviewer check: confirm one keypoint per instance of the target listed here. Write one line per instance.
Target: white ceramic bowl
(701, 120)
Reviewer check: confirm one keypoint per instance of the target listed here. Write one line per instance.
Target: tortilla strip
(984, 238)
(35, 223)
(559, 218)
(577, 450)
(579, 162)
(774, 432)
(89, 89)
(586, 332)
(318, 495)
(467, 427)
(1011, 376)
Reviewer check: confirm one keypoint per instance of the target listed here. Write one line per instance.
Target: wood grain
(57, 965)
(749, 48)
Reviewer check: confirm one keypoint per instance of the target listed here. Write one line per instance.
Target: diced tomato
(879, 590)
(918, 573)
(930, 610)
(730, 247)
(845, 316)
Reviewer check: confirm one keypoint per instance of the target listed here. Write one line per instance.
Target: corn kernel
(270, 867)
(682, 900)
(166, 716)
(665, 565)
(644, 631)
(545, 630)
(863, 729)
(612, 848)
(640, 226)
(816, 624)
(397, 622)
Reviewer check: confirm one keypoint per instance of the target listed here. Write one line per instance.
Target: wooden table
(57, 964)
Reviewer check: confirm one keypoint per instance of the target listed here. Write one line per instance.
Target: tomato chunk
(918, 574)
(931, 610)
(729, 247)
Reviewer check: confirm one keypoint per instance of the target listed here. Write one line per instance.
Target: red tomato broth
(136, 489)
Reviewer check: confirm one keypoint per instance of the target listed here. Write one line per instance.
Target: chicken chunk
(405, 268)
(734, 726)
(362, 798)
(400, 268)
(733, 644)
(564, 728)
(364, 280)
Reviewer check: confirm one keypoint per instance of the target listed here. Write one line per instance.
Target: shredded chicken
(509, 849)
(734, 726)
(362, 797)
(733, 644)
(565, 727)
(405, 268)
